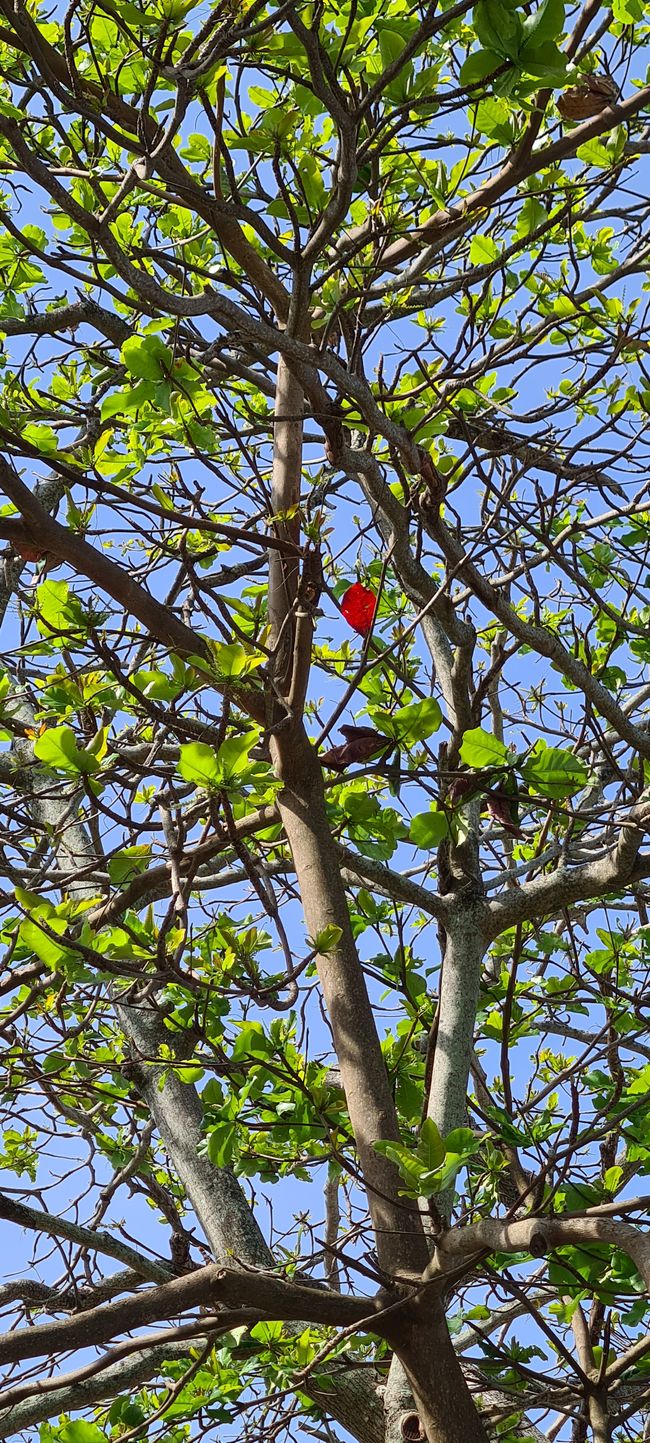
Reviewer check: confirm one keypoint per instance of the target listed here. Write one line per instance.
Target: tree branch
(246, 1296)
(545, 896)
(462, 1247)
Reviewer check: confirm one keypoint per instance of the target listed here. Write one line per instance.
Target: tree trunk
(400, 1240)
(444, 1403)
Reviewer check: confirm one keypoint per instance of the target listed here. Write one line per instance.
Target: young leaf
(147, 357)
(546, 23)
(326, 940)
(60, 616)
(198, 763)
(58, 749)
(410, 724)
(431, 1148)
(498, 28)
(232, 756)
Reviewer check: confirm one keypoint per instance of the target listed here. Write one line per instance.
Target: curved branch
(159, 620)
(88, 1238)
(120, 1374)
(462, 1247)
(246, 1296)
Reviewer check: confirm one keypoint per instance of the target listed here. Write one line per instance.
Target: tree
(324, 415)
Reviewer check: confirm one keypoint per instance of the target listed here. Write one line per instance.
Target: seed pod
(590, 97)
(354, 734)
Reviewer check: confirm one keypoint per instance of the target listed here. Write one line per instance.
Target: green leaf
(483, 249)
(222, 1143)
(147, 357)
(506, 1129)
(498, 28)
(546, 23)
(479, 65)
(428, 829)
(98, 746)
(545, 62)
(491, 118)
(612, 1178)
(410, 1166)
(58, 749)
(252, 1042)
(593, 152)
(198, 763)
(232, 756)
(190, 1075)
(628, 11)
(443, 1176)
(410, 724)
(158, 685)
(326, 940)
(481, 750)
(46, 948)
(31, 902)
(531, 216)
(129, 863)
(60, 616)
(461, 1141)
(233, 660)
(431, 1148)
(121, 403)
(391, 46)
(43, 438)
(78, 1431)
(553, 772)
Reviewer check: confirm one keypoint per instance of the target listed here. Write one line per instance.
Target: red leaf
(27, 551)
(361, 744)
(459, 789)
(503, 809)
(358, 606)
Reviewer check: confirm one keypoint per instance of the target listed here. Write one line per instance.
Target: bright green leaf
(479, 749)
(58, 749)
(428, 829)
(545, 23)
(431, 1148)
(553, 772)
(410, 724)
(147, 357)
(198, 763)
(327, 940)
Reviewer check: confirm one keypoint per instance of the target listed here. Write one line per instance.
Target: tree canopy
(325, 711)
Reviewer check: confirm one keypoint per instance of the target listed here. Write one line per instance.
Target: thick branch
(124, 1374)
(251, 1295)
(538, 1236)
(87, 1238)
(545, 896)
(459, 995)
(447, 225)
(216, 1195)
(363, 1071)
